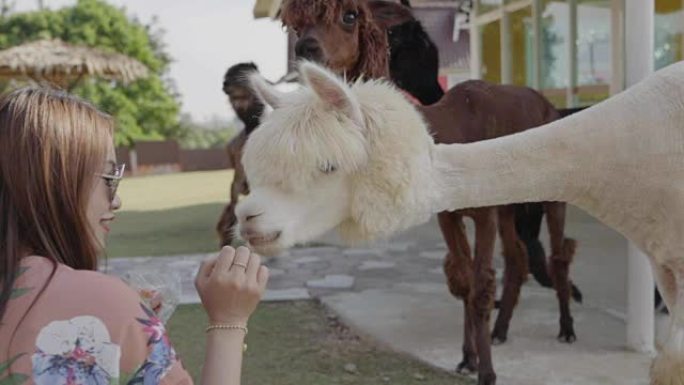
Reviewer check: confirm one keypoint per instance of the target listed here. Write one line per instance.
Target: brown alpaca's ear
(331, 90)
(265, 91)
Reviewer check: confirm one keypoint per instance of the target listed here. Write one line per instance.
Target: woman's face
(101, 204)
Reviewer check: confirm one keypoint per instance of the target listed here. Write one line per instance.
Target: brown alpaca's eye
(350, 17)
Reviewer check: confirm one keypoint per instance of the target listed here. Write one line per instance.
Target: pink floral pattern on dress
(161, 356)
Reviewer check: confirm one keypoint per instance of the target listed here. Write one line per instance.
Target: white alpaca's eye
(328, 168)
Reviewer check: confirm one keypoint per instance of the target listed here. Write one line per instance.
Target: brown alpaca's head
(340, 34)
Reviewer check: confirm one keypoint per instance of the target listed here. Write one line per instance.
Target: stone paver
(275, 272)
(293, 294)
(308, 259)
(338, 281)
(374, 265)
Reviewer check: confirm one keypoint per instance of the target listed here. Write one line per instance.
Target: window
(669, 32)
(571, 61)
(491, 51)
(594, 43)
(522, 47)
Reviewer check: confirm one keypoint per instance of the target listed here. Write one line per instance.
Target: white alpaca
(360, 159)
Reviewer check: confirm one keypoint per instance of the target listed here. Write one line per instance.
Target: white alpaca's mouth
(264, 240)
(267, 245)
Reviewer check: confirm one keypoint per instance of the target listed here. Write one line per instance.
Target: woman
(61, 322)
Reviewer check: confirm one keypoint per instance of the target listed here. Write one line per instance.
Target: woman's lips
(106, 224)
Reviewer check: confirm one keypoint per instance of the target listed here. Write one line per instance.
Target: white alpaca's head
(356, 158)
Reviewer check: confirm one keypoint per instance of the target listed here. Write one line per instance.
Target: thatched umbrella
(64, 65)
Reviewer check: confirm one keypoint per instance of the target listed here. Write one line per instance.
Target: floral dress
(85, 328)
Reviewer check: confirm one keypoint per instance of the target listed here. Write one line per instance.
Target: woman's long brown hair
(51, 146)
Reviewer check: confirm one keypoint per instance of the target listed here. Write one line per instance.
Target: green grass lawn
(169, 214)
(299, 343)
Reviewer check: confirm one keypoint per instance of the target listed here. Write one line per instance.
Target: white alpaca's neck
(537, 165)
(621, 161)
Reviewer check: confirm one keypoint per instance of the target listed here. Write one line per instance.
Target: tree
(148, 108)
(214, 133)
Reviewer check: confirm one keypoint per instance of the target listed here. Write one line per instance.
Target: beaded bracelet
(229, 327)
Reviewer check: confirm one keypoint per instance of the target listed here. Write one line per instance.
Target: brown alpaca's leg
(484, 288)
(515, 273)
(453, 268)
(458, 271)
(668, 366)
(562, 252)
(225, 225)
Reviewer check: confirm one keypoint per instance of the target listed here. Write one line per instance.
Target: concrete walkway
(395, 293)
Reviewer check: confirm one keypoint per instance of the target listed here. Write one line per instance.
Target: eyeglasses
(112, 180)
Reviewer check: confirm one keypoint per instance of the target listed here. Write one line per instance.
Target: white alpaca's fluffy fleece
(386, 156)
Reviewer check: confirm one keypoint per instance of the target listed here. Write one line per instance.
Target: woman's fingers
(241, 261)
(225, 260)
(231, 285)
(205, 269)
(253, 266)
(262, 278)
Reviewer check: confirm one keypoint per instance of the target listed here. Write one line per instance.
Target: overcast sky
(205, 37)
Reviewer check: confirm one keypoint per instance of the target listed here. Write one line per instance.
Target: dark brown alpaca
(248, 108)
(482, 111)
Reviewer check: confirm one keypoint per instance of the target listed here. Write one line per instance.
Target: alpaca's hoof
(466, 367)
(486, 379)
(567, 336)
(499, 337)
(668, 369)
(496, 341)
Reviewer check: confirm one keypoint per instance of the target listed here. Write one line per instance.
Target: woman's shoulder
(85, 287)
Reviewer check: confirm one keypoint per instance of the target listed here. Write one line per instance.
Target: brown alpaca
(340, 34)
(483, 111)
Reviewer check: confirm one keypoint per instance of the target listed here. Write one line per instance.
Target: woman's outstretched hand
(231, 285)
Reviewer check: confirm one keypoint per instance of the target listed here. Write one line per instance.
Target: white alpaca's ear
(331, 90)
(265, 91)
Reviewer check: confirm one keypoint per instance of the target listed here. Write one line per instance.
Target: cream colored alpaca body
(621, 160)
